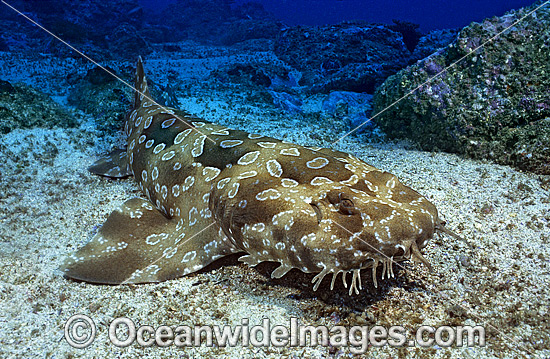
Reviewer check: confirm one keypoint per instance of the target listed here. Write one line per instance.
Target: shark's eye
(346, 206)
(346, 203)
(341, 202)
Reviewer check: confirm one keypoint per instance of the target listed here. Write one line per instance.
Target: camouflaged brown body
(212, 191)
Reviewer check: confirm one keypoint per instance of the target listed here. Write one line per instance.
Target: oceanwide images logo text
(80, 332)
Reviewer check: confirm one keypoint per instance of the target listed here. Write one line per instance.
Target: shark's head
(321, 213)
(373, 219)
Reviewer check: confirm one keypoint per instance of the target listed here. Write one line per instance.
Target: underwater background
(453, 98)
(430, 15)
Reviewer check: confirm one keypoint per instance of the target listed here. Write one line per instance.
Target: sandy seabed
(50, 205)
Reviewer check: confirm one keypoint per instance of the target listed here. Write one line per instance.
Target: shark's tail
(142, 89)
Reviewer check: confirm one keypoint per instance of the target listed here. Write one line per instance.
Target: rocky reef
(349, 106)
(494, 103)
(120, 29)
(217, 22)
(351, 56)
(102, 30)
(101, 95)
(432, 42)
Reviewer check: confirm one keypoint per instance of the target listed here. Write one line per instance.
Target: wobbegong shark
(210, 191)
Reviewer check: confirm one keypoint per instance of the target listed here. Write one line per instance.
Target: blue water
(430, 14)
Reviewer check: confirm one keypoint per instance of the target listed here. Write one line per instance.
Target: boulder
(352, 107)
(352, 56)
(493, 104)
(287, 102)
(22, 106)
(433, 42)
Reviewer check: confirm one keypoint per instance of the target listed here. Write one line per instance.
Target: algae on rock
(22, 106)
(485, 106)
(102, 96)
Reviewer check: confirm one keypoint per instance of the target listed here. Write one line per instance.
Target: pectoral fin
(138, 244)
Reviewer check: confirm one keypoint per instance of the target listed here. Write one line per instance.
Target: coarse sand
(498, 277)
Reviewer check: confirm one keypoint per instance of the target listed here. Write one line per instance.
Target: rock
(106, 99)
(95, 27)
(286, 79)
(15, 35)
(99, 77)
(6, 87)
(4, 46)
(492, 105)
(126, 42)
(356, 77)
(433, 42)
(246, 29)
(251, 21)
(354, 56)
(243, 73)
(196, 19)
(22, 106)
(253, 75)
(251, 10)
(98, 18)
(362, 122)
(409, 31)
(349, 106)
(9, 14)
(217, 21)
(286, 102)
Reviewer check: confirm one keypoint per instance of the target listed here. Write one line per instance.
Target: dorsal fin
(142, 89)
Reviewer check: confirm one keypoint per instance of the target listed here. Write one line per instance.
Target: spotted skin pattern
(211, 191)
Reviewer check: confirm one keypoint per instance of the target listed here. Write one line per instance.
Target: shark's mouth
(412, 253)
